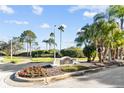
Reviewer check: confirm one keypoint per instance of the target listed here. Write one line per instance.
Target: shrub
(32, 72)
(89, 51)
(72, 52)
(41, 53)
(13, 62)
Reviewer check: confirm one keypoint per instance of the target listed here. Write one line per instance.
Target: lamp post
(54, 63)
(11, 50)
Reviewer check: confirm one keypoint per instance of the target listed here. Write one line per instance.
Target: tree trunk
(110, 55)
(113, 54)
(93, 57)
(89, 59)
(121, 29)
(46, 46)
(121, 20)
(117, 53)
(60, 40)
(30, 51)
(100, 57)
(49, 46)
(100, 54)
(27, 48)
(120, 53)
(105, 54)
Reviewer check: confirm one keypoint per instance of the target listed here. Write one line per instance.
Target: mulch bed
(40, 71)
(54, 71)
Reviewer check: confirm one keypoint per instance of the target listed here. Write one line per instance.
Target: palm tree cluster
(105, 33)
(50, 41)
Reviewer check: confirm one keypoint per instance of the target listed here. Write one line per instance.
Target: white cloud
(17, 22)
(65, 26)
(6, 9)
(93, 8)
(37, 10)
(45, 26)
(75, 8)
(89, 14)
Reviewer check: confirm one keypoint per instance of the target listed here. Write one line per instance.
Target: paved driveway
(109, 78)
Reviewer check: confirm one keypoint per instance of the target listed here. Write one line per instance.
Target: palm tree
(46, 41)
(85, 36)
(52, 36)
(50, 41)
(61, 29)
(104, 33)
(100, 27)
(117, 12)
(101, 34)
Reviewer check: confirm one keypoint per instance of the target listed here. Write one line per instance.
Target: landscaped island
(48, 70)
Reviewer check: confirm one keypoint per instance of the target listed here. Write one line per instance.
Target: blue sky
(41, 19)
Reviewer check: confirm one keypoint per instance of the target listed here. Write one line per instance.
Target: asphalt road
(111, 78)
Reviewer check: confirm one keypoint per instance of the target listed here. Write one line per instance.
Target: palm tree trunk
(60, 40)
(105, 54)
(114, 54)
(121, 20)
(93, 57)
(121, 50)
(100, 54)
(110, 55)
(121, 29)
(49, 46)
(89, 59)
(46, 46)
(117, 53)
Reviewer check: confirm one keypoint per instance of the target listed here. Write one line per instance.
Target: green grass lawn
(8, 59)
(84, 59)
(73, 68)
(27, 59)
(42, 59)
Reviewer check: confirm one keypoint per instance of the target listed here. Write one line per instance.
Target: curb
(46, 80)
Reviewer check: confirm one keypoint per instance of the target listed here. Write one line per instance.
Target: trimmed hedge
(72, 52)
(41, 53)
